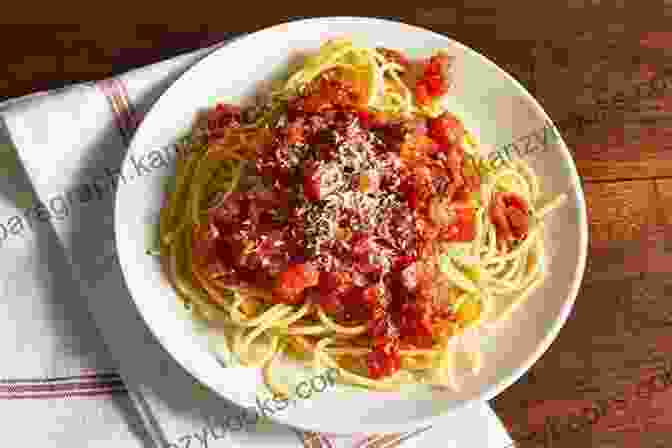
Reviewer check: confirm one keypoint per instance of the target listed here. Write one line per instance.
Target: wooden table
(574, 58)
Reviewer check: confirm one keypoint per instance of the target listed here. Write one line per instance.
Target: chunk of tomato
(364, 119)
(383, 361)
(292, 282)
(516, 211)
(464, 228)
(435, 64)
(446, 129)
(415, 324)
(333, 287)
(311, 182)
(331, 281)
(408, 188)
(422, 93)
(514, 200)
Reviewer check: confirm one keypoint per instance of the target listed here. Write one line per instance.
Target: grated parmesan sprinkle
(340, 196)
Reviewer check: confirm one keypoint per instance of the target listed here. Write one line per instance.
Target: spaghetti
(351, 223)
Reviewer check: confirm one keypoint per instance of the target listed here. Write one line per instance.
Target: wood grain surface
(607, 64)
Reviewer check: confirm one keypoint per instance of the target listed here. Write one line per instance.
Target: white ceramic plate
(493, 105)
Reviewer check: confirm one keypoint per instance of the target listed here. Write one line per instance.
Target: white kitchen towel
(71, 145)
(58, 384)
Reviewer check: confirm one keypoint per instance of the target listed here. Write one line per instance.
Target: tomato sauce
(341, 215)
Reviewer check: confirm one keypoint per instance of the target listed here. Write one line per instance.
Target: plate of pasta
(356, 196)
